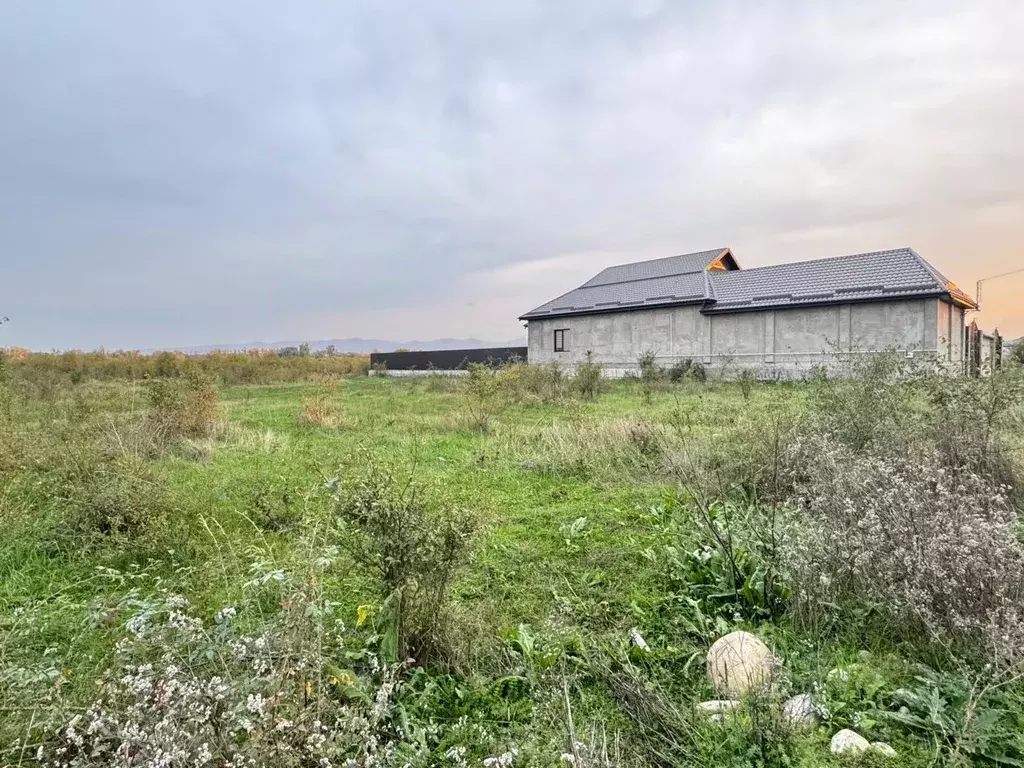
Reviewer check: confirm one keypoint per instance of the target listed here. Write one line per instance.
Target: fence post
(974, 359)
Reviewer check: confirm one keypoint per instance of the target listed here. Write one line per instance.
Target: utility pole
(977, 286)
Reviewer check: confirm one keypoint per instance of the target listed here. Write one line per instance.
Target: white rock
(884, 749)
(801, 710)
(740, 663)
(847, 741)
(638, 639)
(717, 709)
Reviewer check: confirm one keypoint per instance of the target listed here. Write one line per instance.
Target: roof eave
(609, 310)
(716, 309)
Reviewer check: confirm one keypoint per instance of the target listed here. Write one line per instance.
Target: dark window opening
(560, 340)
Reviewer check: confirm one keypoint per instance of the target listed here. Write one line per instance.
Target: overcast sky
(202, 172)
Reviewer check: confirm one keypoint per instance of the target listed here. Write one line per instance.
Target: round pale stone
(849, 742)
(739, 663)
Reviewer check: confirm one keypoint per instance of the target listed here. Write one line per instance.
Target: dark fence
(445, 359)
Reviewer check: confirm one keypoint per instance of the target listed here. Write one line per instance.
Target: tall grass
(44, 370)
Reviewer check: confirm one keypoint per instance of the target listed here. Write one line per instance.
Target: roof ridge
(942, 279)
(818, 261)
(660, 258)
(641, 279)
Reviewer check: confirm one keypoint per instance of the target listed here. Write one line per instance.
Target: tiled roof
(686, 264)
(675, 280)
(861, 277)
(687, 279)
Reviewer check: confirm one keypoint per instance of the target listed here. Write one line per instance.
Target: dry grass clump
(319, 411)
(615, 448)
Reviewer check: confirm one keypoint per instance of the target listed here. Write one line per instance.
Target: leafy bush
(413, 549)
(680, 370)
(871, 409)
(651, 374)
(732, 581)
(120, 497)
(530, 383)
(1016, 355)
(969, 420)
(482, 396)
(921, 542)
(961, 718)
(588, 377)
(186, 407)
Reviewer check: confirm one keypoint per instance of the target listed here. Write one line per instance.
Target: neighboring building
(779, 320)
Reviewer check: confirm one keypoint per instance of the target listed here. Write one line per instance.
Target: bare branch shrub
(923, 542)
(184, 691)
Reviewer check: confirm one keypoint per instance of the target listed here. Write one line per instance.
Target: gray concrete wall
(774, 342)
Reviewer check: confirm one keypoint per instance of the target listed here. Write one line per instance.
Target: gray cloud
(189, 172)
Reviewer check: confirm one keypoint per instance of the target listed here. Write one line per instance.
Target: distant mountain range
(350, 345)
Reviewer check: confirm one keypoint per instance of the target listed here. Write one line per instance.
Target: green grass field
(584, 514)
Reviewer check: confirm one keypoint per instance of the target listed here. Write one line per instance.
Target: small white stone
(847, 741)
(884, 749)
(717, 706)
(638, 639)
(801, 711)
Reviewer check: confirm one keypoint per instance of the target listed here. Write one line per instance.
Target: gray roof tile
(686, 280)
(860, 277)
(675, 280)
(645, 270)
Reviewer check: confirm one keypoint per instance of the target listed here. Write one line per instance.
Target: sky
(188, 172)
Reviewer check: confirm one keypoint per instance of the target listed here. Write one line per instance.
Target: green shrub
(680, 370)
(588, 377)
(413, 548)
(1017, 352)
(482, 396)
(650, 374)
(186, 407)
(872, 408)
(120, 497)
(970, 419)
(530, 383)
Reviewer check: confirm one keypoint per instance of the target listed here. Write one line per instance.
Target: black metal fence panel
(445, 359)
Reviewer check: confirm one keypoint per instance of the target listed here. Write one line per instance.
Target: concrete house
(778, 320)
